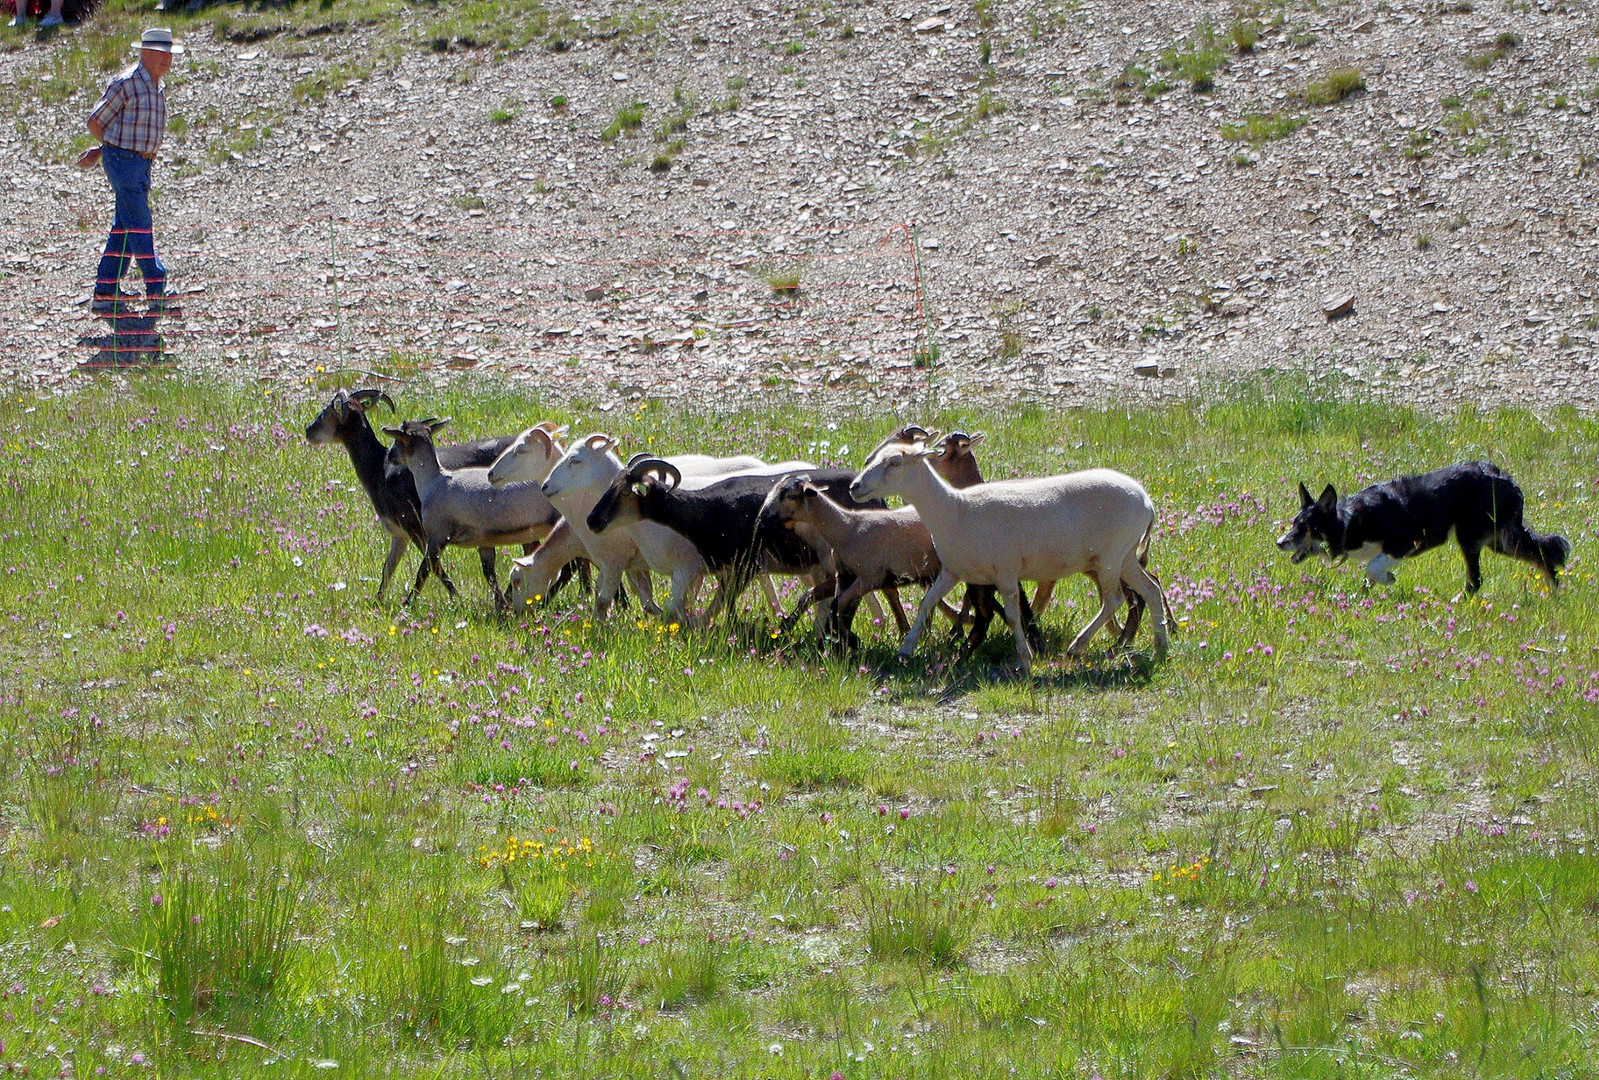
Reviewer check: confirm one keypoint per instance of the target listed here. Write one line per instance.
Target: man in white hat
(129, 120)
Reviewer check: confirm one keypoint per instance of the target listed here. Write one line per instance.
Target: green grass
(1342, 831)
(1335, 86)
(1196, 59)
(1259, 128)
(629, 118)
(1485, 58)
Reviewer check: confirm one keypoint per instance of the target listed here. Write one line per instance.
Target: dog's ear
(1329, 498)
(1304, 496)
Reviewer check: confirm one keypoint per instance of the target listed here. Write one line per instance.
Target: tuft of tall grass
(784, 278)
(684, 973)
(1196, 59)
(221, 936)
(1259, 128)
(629, 117)
(916, 923)
(1335, 86)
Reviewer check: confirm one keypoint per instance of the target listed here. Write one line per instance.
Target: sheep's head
(531, 455)
(624, 501)
(588, 465)
(414, 437)
(344, 415)
(955, 461)
(888, 470)
(790, 500)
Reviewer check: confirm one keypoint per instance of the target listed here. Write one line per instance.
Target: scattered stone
(1338, 304)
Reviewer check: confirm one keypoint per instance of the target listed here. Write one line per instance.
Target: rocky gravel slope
(1089, 223)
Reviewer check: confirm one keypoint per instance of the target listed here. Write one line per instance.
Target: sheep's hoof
(903, 657)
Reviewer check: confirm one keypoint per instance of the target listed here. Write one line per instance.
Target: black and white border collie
(1396, 519)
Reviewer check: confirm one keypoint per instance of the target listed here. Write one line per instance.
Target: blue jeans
(132, 231)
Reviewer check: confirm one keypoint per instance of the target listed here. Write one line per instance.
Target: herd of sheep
(740, 519)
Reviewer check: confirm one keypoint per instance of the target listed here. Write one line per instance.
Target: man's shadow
(130, 340)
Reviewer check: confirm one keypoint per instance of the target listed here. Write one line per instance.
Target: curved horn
(598, 441)
(638, 469)
(642, 455)
(371, 396)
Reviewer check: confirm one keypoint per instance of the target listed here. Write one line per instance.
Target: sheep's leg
(645, 588)
(935, 592)
(1010, 599)
(606, 588)
(486, 557)
(771, 595)
(1147, 587)
(1041, 597)
(897, 606)
(1110, 598)
(397, 546)
(685, 588)
(981, 599)
(967, 611)
(845, 604)
(1135, 615)
(1113, 622)
(730, 585)
(431, 563)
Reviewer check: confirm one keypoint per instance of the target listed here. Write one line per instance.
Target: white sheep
(1095, 522)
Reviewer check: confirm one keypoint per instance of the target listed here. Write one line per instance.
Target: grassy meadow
(254, 825)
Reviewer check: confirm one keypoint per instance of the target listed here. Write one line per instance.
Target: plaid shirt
(133, 111)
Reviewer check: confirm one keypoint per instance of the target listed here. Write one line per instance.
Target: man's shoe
(51, 20)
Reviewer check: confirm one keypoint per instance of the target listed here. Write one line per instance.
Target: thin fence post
(338, 315)
(929, 350)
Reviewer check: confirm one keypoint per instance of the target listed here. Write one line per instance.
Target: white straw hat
(159, 39)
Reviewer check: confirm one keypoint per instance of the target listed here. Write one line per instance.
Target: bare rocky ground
(356, 199)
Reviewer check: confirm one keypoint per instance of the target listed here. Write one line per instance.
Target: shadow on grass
(939, 666)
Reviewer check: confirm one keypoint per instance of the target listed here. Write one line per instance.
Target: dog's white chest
(1366, 552)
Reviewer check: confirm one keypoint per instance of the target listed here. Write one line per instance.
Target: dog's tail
(1549, 552)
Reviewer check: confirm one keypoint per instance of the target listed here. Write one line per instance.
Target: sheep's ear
(976, 438)
(1329, 499)
(1304, 496)
(932, 437)
(394, 431)
(926, 452)
(435, 425)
